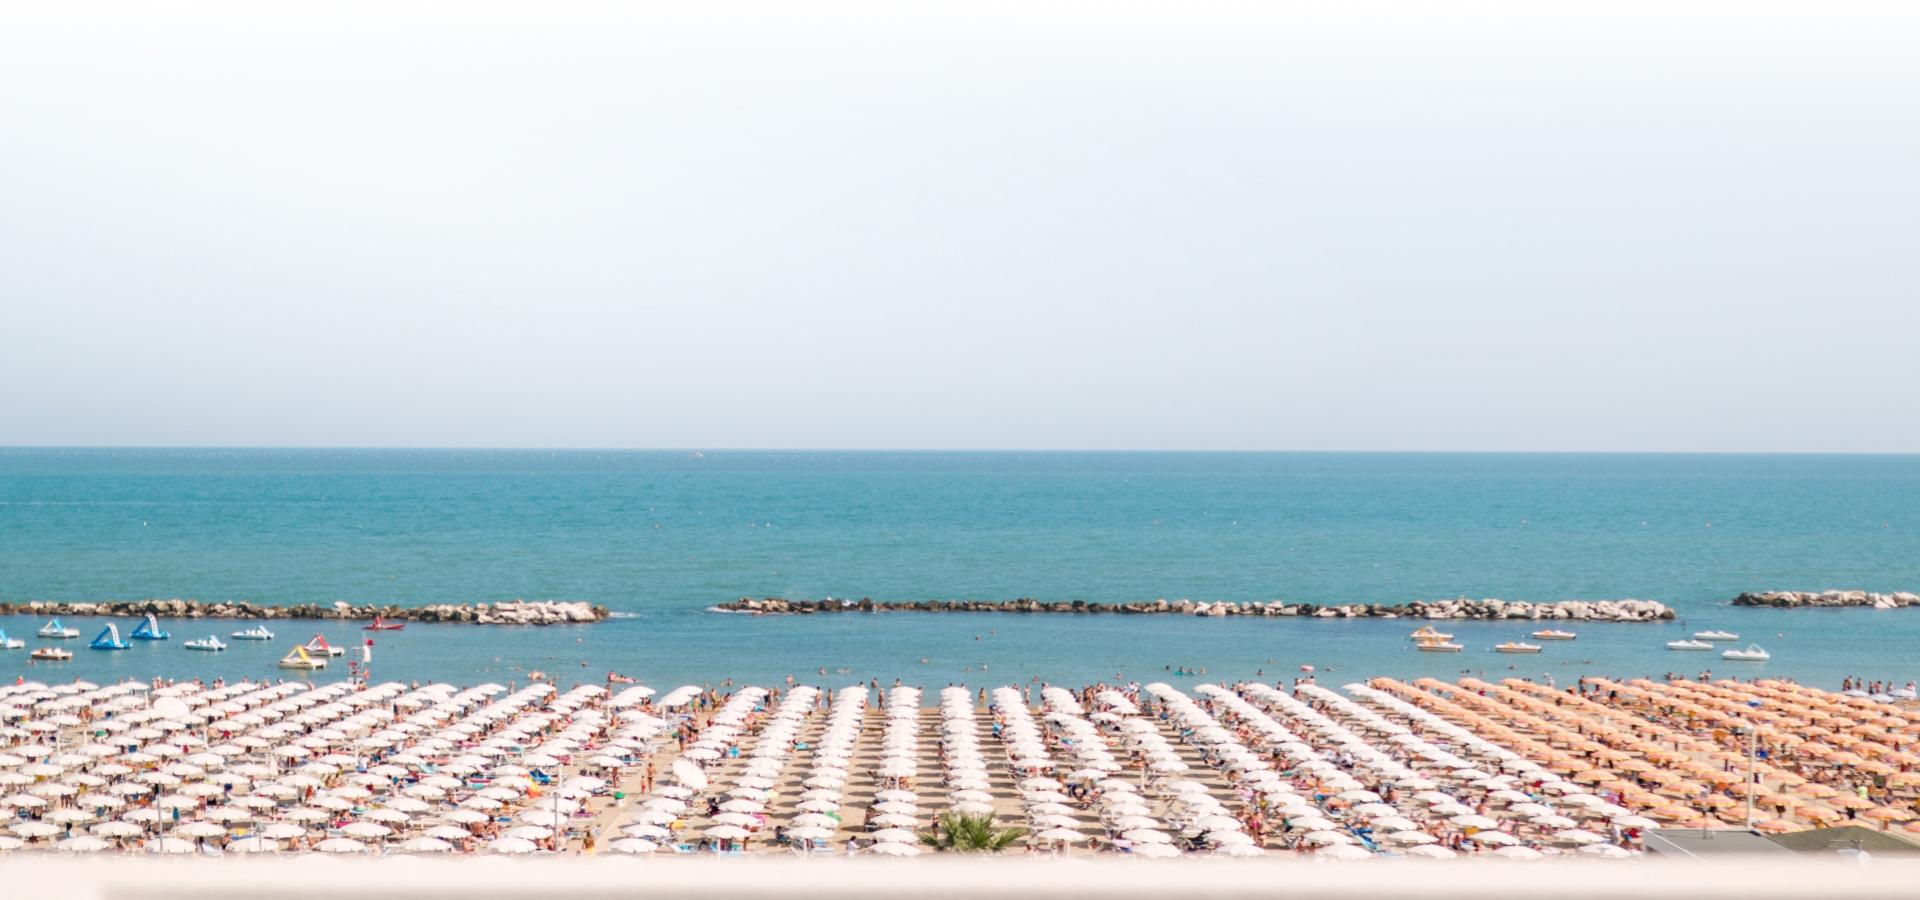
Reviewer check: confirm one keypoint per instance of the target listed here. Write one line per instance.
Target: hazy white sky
(1265, 225)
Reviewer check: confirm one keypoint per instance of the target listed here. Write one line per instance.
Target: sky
(1285, 225)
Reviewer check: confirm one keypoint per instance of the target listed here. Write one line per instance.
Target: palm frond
(970, 833)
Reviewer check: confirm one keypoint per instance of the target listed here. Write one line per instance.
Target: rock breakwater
(1819, 599)
(508, 612)
(1574, 610)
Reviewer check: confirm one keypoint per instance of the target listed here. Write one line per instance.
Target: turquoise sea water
(663, 535)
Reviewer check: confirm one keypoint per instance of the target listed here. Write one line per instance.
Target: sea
(659, 537)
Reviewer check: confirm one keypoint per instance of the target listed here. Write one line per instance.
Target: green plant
(969, 833)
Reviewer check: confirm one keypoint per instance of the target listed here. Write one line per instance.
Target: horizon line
(504, 448)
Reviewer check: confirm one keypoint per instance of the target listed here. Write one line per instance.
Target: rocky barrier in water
(509, 612)
(1573, 610)
(1826, 599)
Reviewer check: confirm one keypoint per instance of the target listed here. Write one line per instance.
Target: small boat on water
(256, 633)
(1715, 636)
(1430, 633)
(1517, 647)
(1550, 634)
(53, 629)
(209, 642)
(298, 658)
(149, 630)
(318, 646)
(54, 654)
(1439, 647)
(1753, 653)
(108, 639)
(381, 624)
(8, 643)
(1688, 645)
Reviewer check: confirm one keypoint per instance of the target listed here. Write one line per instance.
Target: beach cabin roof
(1847, 837)
(1693, 843)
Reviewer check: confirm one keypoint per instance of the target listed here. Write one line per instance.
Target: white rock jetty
(1574, 610)
(1800, 599)
(509, 612)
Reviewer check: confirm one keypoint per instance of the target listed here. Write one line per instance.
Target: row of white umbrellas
(280, 759)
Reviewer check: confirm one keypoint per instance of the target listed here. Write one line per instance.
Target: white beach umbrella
(340, 845)
(1519, 853)
(894, 850)
(256, 844)
(82, 844)
(1156, 851)
(1343, 852)
(198, 830)
(167, 845)
(511, 845)
(1605, 851)
(633, 845)
(36, 829)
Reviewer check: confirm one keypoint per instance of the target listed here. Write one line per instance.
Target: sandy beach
(1366, 770)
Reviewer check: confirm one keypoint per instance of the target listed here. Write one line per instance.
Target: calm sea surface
(660, 536)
